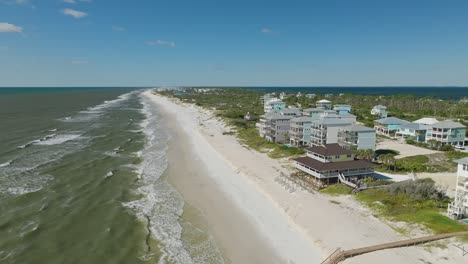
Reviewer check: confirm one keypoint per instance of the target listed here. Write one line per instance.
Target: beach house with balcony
(388, 126)
(458, 209)
(314, 113)
(330, 161)
(379, 110)
(342, 109)
(426, 121)
(325, 104)
(357, 136)
(447, 132)
(274, 125)
(412, 130)
(273, 104)
(299, 131)
(325, 130)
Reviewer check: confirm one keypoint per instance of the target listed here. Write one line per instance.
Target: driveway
(405, 150)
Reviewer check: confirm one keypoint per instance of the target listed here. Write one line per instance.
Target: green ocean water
(82, 181)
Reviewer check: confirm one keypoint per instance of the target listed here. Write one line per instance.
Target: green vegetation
(414, 202)
(438, 162)
(454, 155)
(337, 189)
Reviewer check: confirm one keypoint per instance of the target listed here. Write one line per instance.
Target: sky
(233, 43)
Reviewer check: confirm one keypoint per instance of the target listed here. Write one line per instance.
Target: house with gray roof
(274, 125)
(358, 136)
(325, 130)
(413, 130)
(447, 132)
(388, 126)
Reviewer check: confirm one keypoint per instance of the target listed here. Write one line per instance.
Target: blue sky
(245, 43)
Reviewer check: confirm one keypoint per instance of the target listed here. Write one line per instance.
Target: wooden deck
(340, 255)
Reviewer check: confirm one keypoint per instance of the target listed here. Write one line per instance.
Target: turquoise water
(81, 180)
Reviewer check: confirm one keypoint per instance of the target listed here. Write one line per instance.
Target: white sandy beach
(298, 226)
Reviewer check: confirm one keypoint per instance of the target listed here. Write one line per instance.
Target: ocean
(82, 180)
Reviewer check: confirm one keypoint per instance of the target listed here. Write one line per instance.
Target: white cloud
(266, 30)
(10, 28)
(79, 62)
(161, 43)
(117, 28)
(69, 1)
(73, 13)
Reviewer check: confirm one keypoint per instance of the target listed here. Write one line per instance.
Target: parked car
(459, 147)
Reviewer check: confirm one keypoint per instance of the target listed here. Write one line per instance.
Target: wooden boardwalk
(340, 255)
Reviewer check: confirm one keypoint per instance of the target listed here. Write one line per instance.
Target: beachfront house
(412, 130)
(313, 112)
(342, 109)
(274, 125)
(379, 110)
(357, 136)
(348, 117)
(273, 104)
(447, 132)
(388, 126)
(328, 162)
(426, 121)
(299, 131)
(458, 209)
(325, 130)
(325, 104)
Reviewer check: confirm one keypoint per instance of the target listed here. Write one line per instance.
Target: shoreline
(309, 219)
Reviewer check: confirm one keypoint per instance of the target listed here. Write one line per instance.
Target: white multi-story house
(273, 104)
(357, 136)
(379, 110)
(325, 130)
(274, 125)
(299, 131)
(447, 132)
(458, 209)
(325, 104)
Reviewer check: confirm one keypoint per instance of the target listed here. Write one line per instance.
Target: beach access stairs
(356, 187)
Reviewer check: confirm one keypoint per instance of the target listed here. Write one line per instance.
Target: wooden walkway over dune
(340, 255)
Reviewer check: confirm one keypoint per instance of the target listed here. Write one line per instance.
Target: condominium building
(299, 131)
(357, 136)
(274, 125)
(325, 130)
(458, 209)
(447, 132)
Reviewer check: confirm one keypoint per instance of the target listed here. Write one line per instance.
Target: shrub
(446, 147)
(419, 190)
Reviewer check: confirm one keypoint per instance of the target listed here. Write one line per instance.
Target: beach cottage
(458, 209)
(357, 136)
(447, 132)
(342, 109)
(388, 126)
(416, 131)
(331, 161)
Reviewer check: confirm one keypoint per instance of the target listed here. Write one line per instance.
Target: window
(349, 155)
(465, 167)
(337, 157)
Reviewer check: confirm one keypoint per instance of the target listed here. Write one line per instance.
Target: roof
(391, 121)
(330, 150)
(291, 111)
(358, 128)
(347, 115)
(314, 110)
(426, 121)
(447, 124)
(323, 101)
(276, 114)
(380, 107)
(302, 119)
(415, 126)
(324, 166)
(331, 121)
(462, 161)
